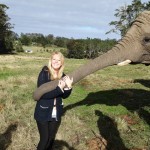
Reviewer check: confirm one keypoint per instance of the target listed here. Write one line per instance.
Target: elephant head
(134, 48)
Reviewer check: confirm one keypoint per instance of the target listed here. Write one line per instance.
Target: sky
(65, 18)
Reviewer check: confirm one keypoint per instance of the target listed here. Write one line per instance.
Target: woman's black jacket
(44, 107)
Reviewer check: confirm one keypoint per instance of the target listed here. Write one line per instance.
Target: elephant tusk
(124, 62)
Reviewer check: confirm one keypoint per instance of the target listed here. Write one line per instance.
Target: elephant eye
(147, 40)
(146, 43)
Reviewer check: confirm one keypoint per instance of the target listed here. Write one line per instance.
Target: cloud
(68, 18)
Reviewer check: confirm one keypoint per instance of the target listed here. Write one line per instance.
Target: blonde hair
(61, 69)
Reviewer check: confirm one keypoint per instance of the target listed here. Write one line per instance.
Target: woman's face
(56, 62)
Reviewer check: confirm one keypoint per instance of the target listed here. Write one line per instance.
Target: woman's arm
(66, 93)
(68, 88)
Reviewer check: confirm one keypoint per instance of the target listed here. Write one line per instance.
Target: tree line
(76, 48)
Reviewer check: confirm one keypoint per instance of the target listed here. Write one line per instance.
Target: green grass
(113, 102)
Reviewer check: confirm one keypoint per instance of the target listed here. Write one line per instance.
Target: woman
(49, 108)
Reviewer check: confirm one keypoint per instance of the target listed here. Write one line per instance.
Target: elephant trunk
(107, 59)
(110, 58)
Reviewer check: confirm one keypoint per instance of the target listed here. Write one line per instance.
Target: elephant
(133, 48)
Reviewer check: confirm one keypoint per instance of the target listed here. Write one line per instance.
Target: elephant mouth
(146, 59)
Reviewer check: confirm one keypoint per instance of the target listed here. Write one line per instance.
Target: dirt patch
(97, 143)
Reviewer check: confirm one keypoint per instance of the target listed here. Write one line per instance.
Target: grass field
(111, 104)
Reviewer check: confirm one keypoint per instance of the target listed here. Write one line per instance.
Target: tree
(50, 39)
(92, 48)
(18, 46)
(60, 41)
(76, 49)
(6, 40)
(25, 40)
(127, 15)
(88, 48)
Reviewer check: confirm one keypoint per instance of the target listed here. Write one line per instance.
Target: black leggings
(47, 131)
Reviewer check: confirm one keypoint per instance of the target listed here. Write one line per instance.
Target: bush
(17, 46)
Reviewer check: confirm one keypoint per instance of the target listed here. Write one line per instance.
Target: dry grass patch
(103, 91)
(73, 131)
(18, 123)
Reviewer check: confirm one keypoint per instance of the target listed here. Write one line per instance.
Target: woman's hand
(68, 81)
(61, 84)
